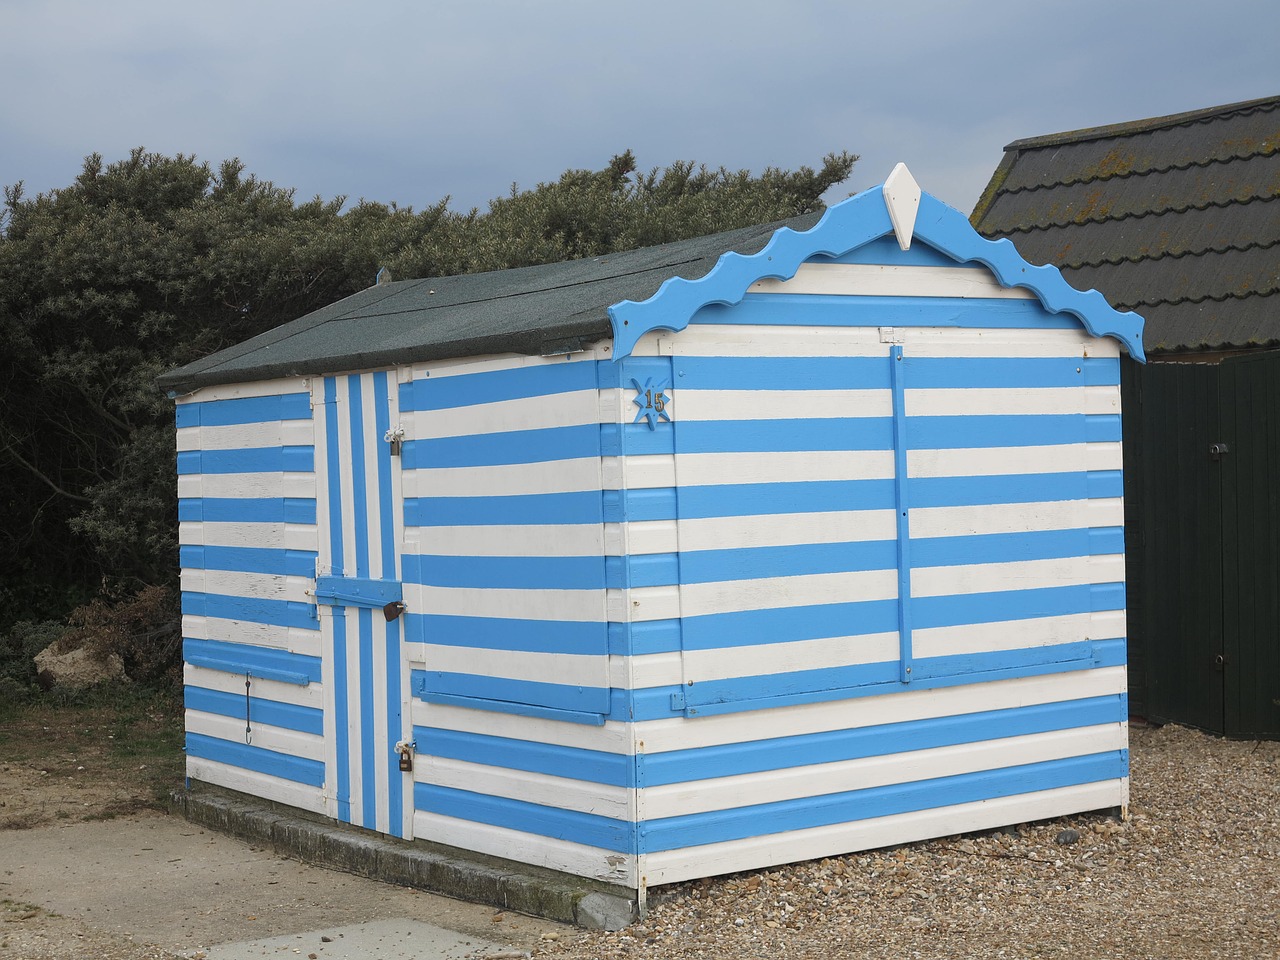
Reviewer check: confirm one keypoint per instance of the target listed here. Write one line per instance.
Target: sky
(392, 100)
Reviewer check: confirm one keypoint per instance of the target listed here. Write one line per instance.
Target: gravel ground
(1193, 873)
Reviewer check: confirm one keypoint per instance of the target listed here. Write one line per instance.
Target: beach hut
(766, 546)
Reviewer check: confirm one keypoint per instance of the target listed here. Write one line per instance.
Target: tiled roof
(1176, 218)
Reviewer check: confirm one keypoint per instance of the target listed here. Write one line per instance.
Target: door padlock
(406, 748)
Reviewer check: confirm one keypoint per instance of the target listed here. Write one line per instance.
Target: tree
(154, 261)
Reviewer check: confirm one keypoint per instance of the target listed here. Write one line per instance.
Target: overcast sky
(412, 101)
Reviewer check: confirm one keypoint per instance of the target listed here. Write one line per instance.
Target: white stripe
(291, 639)
(271, 535)
(575, 605)
(546, 540)
(698, 469)
(373, 442)
(774, 592)
(381, 768)
(997, 461)
(1033, 401)
(1001, 518)
(734, 405)
(780, 529)
(571, 409)
(757, 852)
(244, 486)
(818, 779)
(677, 733)
(612, 737)
(258, 388)
(460, 366)
(575, 858)
(1000, 636)
(886, 280)
(1107, 625)
(715, 340)
(510, 479)
(233, 583)
(1101, 400)
(308, 746)
(563, 668)
(651, 670)
(646, 536)
(562, 793)
(355, 765)
(342, 412)
(1104, 455)
(302, 695)
(300, 795)
(995, 577)
(766, 659)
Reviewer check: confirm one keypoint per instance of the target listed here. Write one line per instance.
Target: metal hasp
(385, 595)
(406, 749)
(1218, 450)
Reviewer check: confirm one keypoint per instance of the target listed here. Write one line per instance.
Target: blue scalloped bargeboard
(845, 227)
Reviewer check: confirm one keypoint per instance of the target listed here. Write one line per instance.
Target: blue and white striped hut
(766, 546)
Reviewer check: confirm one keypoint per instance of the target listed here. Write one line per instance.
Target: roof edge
(847, 226)
(1131, 127)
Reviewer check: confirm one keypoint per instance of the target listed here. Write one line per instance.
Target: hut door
(358, 594)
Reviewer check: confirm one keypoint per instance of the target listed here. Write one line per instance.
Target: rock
(76, 669)
(1066, 836)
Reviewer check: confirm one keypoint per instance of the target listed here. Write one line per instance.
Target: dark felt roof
(1176, 218)
(547, 309)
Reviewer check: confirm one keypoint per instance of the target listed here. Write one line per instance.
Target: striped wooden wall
(247, 525)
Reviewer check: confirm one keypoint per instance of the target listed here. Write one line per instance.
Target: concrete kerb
(499, 883)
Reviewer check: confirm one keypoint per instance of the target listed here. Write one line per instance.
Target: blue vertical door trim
(364, 618)
(898, 378)
(386, 520)
(368, 742)
(341, 718)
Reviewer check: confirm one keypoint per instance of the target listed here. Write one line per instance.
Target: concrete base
(444, 870)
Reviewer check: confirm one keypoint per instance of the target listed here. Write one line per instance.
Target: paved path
(160, 880)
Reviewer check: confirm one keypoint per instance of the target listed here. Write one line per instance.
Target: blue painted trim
(258, 759)
(270, 712)
(542, 508)
(221, 413)
(509, 573)
(278, 613)
(286, 563)
(267, 663)
(740, 823)
(590, 829)
(338, 623)
(368, 722)
(512, 707)
(576, 763)
(516, 446)
(358, 591)
(495, 386)
(557, 696)
(582, 637)
(898, 378)
(784, 753)
(359, 493)
(391, 630)
(248, 460)
(844, 227)
(247, 509)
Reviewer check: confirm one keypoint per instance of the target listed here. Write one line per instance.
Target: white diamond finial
(902, 197)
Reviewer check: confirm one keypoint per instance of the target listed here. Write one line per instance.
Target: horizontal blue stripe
(820, 310)
(579, 507)
(248, 460)
(585, 828)
(576, 763)
(492, 386)
(619, 374)
(733, 689)
(1001, 547)
(751, 563)
(499, 633)
(1103, 428)
(1012, 430)
(506, 573)
(768, 436)
(516, 446)
(655, 703)
(1106, 540)
(248, 509)
(290, 563)
(1106, 483)
(290, 716)
(220, 413)
(720, 826)
(637, 439)
(885, 250)
(587, 718)
(1004, 488)
(562, 696)
(248, 757)
(280, 613)
(656, 503)
(262, 662)
(756, 499)
(642, 570)
(1101, 371)
(643, 637)
(783, 753)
